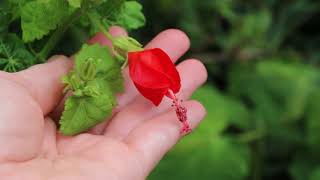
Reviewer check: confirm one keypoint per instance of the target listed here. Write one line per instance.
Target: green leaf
(83, 113)
(110, 9)
(95, 81)
(105, 15)
(96, 51)
(13, 54)
(75, 3)
(131, 16)
(115, 79)
(39, 17)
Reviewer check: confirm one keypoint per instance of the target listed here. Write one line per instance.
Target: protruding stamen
(181, 112)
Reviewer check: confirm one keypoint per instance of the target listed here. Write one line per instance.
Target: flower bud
(122, 45)
(88, 69)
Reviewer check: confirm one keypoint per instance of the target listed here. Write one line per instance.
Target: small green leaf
(96, 52)
(131, 16)
(82, 113)
(94, 82)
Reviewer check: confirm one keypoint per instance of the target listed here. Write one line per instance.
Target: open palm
(126, 147)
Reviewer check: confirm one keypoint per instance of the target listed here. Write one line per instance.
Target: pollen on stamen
(181, 113)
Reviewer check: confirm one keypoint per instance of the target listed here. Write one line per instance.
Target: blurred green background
(262, 95)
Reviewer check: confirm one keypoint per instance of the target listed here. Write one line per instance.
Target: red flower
(155, 76)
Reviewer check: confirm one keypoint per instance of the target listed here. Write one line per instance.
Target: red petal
(154, 95)
(153, 73)
(159, 61)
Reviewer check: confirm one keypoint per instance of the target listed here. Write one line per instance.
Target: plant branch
(96, 22)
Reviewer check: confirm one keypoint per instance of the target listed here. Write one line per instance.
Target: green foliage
(265, 86)
(41, 24)
(83, 113)
(264, 57)
(13, 54)
(127, 14)
(131, 16)
(237, 29)
(39, 17)
(93, 84)
(31, 30)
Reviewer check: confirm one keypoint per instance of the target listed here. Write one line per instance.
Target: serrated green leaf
(83, 113)
(105, 14)
(131, 16)
(39, 17)
(95, 80)
(96, 51)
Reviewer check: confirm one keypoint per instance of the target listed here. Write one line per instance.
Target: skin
(128, 146)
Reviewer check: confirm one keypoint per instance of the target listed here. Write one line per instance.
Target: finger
(142, 109)
(156, 137)
(43, 81)
(174, 42)
(49, 146)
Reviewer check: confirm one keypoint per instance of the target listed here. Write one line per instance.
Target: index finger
(153, 139)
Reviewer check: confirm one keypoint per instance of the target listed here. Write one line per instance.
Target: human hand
(127, 147)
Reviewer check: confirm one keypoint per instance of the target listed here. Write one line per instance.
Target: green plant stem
(57, 35)
(97, 23)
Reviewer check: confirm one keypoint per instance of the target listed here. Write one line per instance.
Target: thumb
(26, 98)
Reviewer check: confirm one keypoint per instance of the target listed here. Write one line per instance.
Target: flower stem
(96, 22)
